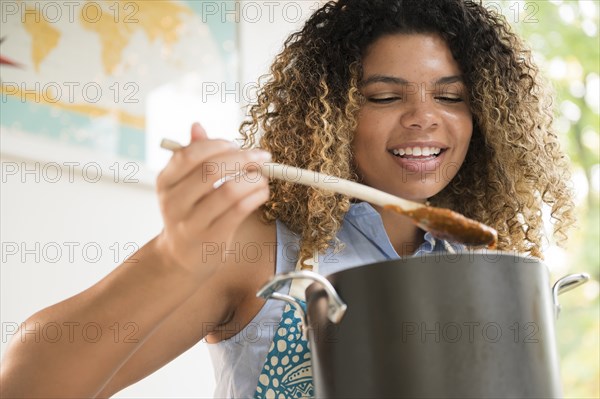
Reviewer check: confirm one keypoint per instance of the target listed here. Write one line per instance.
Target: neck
(403, 234)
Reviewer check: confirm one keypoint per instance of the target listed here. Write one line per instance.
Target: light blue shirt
(238, 360)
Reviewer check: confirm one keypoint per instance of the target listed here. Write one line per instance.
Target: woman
(437, 103)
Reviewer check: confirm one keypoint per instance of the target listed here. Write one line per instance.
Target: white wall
(73, 212)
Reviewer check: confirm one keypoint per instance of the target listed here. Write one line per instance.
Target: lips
(417, 152)
(418, 156)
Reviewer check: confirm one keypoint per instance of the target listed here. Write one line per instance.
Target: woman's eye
(449, 99)
(384, 100)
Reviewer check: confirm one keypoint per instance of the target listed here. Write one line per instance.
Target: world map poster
(93, 74)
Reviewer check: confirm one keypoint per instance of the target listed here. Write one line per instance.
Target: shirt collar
(367, 220)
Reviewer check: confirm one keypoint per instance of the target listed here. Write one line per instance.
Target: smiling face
(415, 126)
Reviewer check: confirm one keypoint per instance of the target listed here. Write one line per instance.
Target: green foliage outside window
(563, 36)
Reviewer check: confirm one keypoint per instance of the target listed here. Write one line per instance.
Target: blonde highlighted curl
(306, 115)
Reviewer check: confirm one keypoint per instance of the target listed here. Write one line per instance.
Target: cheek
(371, 126)
(361, 143)
(468, 129)
(463, 129)
(363, 135)
(359, 151)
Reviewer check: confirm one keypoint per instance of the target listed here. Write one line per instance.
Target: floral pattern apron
(287, 371)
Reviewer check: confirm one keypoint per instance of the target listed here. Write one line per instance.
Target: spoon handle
(323, 181)
(336, 184)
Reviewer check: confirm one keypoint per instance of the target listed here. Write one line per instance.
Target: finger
(201, 182)
(225, 208)
(198, 132)
(188, 158)
(228, 221)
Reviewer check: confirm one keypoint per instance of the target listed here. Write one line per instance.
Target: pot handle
(336, 307)
(565, 284)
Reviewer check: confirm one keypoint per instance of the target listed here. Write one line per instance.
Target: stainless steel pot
(469, 325)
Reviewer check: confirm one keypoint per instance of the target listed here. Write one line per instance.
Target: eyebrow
(400, 81)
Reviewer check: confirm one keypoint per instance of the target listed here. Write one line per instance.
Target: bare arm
(207, 310)
(170, 270)
(186, 326)
(78, 365)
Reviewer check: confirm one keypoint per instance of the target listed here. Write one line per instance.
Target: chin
(408, 188)
(421, 192)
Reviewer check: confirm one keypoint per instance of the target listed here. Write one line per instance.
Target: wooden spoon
(442, 223)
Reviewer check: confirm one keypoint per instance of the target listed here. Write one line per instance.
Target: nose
(419, 114)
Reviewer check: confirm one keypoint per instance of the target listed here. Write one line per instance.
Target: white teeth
(417, 151)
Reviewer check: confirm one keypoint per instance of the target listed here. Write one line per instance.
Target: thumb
(197, 132)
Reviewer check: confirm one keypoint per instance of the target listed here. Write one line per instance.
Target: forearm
(72, 349)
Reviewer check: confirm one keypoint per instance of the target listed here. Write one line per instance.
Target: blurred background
(88, 89)
(563, 36)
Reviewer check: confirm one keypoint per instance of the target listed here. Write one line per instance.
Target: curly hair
(306, 115)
